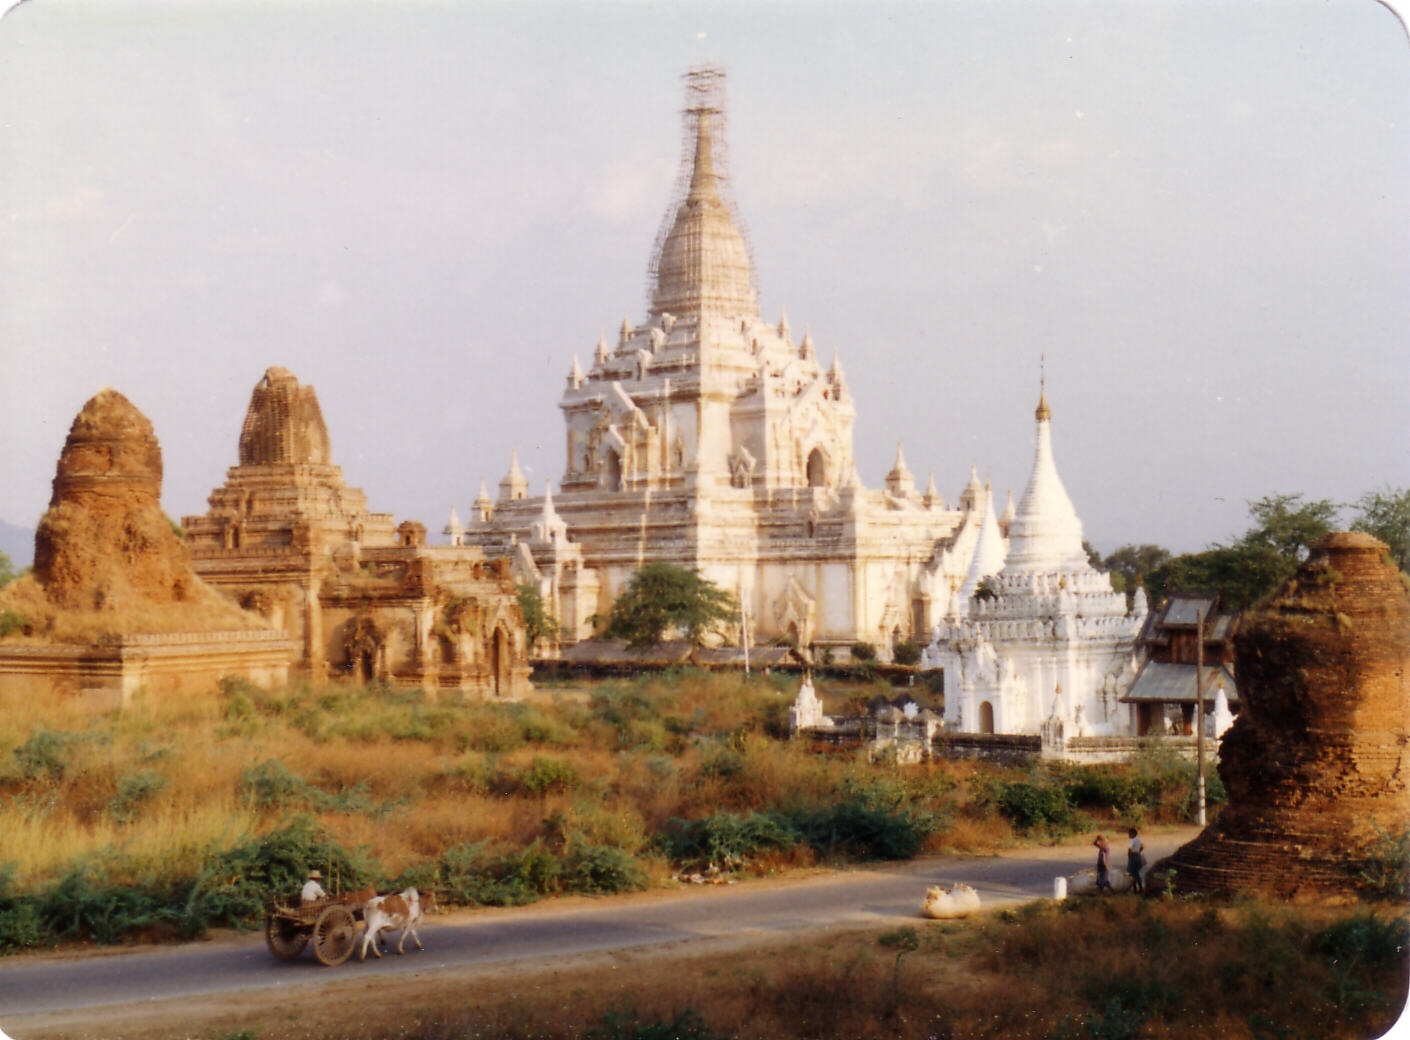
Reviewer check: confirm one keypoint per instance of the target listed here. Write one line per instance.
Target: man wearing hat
(313, 891)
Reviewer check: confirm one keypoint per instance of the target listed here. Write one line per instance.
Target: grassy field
(173, 815)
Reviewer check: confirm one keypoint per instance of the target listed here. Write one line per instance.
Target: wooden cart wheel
(334, 935)
(285, 938)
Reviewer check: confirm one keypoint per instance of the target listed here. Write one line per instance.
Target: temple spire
(513, 486)
(1045, 533)
(701, 263)
(900, 480)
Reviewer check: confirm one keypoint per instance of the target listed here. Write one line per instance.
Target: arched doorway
(817, 469)
(614, 470)
(986, 717)
(499, 661)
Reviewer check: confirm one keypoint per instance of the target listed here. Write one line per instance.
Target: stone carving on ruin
(1317, 763)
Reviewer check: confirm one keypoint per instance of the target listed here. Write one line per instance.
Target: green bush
(1034, 806)
(866, 824)
(1102, 787)
(547, 776)
(21, 926)
(1364, 939)
(45, 753)
(906, 653)
(1385, 871)
(726, 839)
(473, 873)
(625, 1025)
(601, 870)
(11, 621)
(270, 786)
(863, 652)
(133, 792)
(79, 906)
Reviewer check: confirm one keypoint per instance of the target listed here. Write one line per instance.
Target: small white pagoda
(1037, 638)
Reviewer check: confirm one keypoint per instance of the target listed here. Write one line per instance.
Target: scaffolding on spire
(704, 101)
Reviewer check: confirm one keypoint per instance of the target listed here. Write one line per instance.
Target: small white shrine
(1036, 640)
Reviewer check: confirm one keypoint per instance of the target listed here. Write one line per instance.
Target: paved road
(885, 896)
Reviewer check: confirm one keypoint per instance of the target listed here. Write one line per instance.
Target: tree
(1288, 525)
(7, 569)
(538, 622)
(1385, 515)
(660, 596)
(1132, 562)
(1241, 574)
(1268, 553)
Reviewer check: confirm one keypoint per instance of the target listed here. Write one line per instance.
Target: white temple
(1036, 637)
(710, 438)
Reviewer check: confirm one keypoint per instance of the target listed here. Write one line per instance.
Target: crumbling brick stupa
(1318, 761)
(113, 602)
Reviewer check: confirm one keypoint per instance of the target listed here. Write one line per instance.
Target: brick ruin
(113, 602)
(364, 598)
(1317, 763)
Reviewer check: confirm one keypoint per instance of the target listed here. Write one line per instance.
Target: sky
(1195, 216)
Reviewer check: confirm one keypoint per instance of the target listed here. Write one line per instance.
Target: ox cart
(332, 923)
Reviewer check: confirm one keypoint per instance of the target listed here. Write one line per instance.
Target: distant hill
(17, 543)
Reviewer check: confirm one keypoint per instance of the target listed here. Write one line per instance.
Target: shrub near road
(170, 817)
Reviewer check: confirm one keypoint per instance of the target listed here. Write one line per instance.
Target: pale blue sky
(1197, 211)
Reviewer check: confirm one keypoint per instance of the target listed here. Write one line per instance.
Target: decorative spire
(806, 350)
(838, 378)
(1045, 534)
(1006, 518)
(600, 354)
(988, 558)
(785, 333)
(484, 508)
(900, 480)
(702, 262)
(575, 375)
(513, 486)
(550, 527)
(454, 529)
(1043, 413)
(969, 497)
(625, 333)
(932, 497)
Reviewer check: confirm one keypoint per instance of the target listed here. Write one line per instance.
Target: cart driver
(313, 891)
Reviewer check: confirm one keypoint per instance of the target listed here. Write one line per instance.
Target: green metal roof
(1159, 681)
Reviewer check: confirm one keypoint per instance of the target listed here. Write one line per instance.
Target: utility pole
(1199, 712)
(744, 628)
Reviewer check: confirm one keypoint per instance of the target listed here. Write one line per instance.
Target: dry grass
(149, 790)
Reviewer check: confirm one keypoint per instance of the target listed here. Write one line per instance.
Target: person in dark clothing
(1135, 861)
(1103, 864)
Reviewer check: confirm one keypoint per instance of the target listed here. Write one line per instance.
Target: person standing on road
(1135, 861)
(1103, 864)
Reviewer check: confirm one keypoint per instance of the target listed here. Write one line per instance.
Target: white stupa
(1055, 644)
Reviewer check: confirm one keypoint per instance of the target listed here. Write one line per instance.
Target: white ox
(399, 911)
(957, 901)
